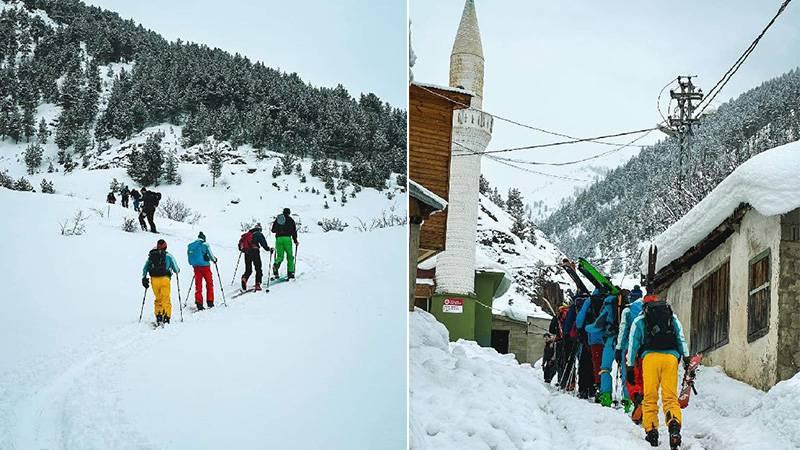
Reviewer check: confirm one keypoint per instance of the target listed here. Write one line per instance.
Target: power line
(514, 122)
(658, 101)
(524, 169)
(573, 141)
(736, 65)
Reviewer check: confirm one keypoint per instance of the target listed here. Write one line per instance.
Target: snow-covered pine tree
(215, 164)
(42, 133)
(33, 157)
(47, 187)
(23, 185)
(277, 170)
(171, 175)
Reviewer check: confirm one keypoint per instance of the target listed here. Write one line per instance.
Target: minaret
(455, 268)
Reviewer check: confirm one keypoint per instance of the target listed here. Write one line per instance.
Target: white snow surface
(463, 396)
(316, 363)
(768, 182)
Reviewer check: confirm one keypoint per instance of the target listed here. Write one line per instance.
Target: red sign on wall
(453, 305)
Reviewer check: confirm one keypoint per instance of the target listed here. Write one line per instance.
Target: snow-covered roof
(443, 88)
(768, 182)
(421, 193)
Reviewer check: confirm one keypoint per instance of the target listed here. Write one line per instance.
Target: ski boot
(166, 319)
(674, 434)
(605, 399)
(244, 283)
(627, 405)
(274, 271)
(199, 306)
(597, 397)
(210, 303)
(652, 437)
(258, 287)
(636, 416)
(583, 395)
(158, 319)
(290, 275)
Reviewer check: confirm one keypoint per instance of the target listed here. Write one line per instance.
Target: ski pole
(235, 270)
(269, 269)
(296, 248)
(180, 305)
(142, 310)
(188, 292)
(220, 284)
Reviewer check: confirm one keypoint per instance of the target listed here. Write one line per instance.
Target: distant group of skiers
(161, 265)
(148, 199)
(644, 338)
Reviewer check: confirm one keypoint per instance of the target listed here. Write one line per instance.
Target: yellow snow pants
(161, 287)
(660, 370)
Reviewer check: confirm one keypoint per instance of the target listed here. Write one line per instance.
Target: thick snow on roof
(443, 88)
(419, 192)
(768, 182)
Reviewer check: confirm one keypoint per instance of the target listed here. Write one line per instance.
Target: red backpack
(246, 241)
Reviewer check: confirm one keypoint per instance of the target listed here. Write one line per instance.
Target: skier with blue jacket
(632, 388)
(200, 258)
(589, 312)
(604, 329)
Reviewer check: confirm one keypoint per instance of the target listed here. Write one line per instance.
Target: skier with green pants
(285, 233)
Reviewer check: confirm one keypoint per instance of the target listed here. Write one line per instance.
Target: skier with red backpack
(250, 244)
(657, 337)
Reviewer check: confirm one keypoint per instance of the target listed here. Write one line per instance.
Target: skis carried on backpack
(595, 277)
(569, 267)
(687, 386)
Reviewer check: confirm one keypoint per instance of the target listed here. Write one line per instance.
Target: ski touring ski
(687, 386)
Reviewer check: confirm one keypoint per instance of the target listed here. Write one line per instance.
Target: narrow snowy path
(303, 366)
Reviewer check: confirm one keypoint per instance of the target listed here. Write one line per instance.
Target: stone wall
(788, 362)
(525, 340)
(752, 362)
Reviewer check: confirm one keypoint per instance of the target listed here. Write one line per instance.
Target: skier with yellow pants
(285, 232)
(160, 265)
(657, 337)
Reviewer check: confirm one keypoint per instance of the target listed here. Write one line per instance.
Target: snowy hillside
(317, 354)
(529, 263)
(463, 396)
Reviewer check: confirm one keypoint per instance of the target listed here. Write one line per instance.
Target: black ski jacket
(288, 228)
(151, 199)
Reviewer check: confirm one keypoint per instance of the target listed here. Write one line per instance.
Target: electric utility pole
(686, 96)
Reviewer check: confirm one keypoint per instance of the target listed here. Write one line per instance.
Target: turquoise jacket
(171, 265)
(199, 254)
(637, 336)
(627, 317)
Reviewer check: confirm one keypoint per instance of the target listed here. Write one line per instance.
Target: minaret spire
(466, 59)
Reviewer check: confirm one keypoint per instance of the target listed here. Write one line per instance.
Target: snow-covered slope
(768, 182)
(317, 363)
(529, 263)
(463, 396)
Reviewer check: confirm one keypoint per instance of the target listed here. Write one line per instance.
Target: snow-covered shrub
(115, 186)
(47, 187)
(23, 185)
(385, 220)
(333, 224)
(6, 181)
(100, 213)
(248, 224)
(303, 178)
(33, 157)
(129, 225)
(178, 211)
(402, 181)
(75, 226)
(277, 170)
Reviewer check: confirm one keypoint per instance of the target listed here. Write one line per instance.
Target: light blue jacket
(203, 255)
(171, 265)
(627, 317)
(636, 339)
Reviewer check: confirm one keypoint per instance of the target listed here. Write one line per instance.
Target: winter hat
(287, 211)
(257, 226)
(201, 236)
(650, 298)
(636, 293)
(161, 244)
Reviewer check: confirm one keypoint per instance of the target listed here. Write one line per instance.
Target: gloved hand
(629, 374)
(618, 356)
(686, 361)
(215, 260)
(145, 282)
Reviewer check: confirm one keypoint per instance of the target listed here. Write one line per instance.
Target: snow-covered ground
(316, 363)
(463, 396)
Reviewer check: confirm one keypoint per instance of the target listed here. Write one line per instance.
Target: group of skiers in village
(161, 265)
(641, 334)
(144, 202)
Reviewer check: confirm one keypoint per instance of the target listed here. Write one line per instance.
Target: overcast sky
(359, 43)
(587, 68)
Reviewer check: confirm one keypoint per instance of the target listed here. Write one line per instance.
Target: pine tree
(483, 186)
(215, 165)
(23, 185)
(277, 170)
(33, 157)
(42, 134)
(81, 144)
(329, 185)
(287, 163)
(47, 187)
(50, 168)
(115, 186)
(28, 125)
(171, 175)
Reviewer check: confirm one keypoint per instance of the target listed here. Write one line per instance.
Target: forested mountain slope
(608, 221)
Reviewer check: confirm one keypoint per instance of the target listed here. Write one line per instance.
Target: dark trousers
(252, 258)
(124, 202)
(148, 213)
(586, 384)
(566, 364)
(549, 361)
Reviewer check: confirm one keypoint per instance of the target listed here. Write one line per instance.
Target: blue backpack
(197, 253)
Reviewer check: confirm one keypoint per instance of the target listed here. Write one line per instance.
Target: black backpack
(659, 331)
(158, 263)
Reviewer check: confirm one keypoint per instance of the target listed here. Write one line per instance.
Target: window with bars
(710, 310)
(758, 297)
